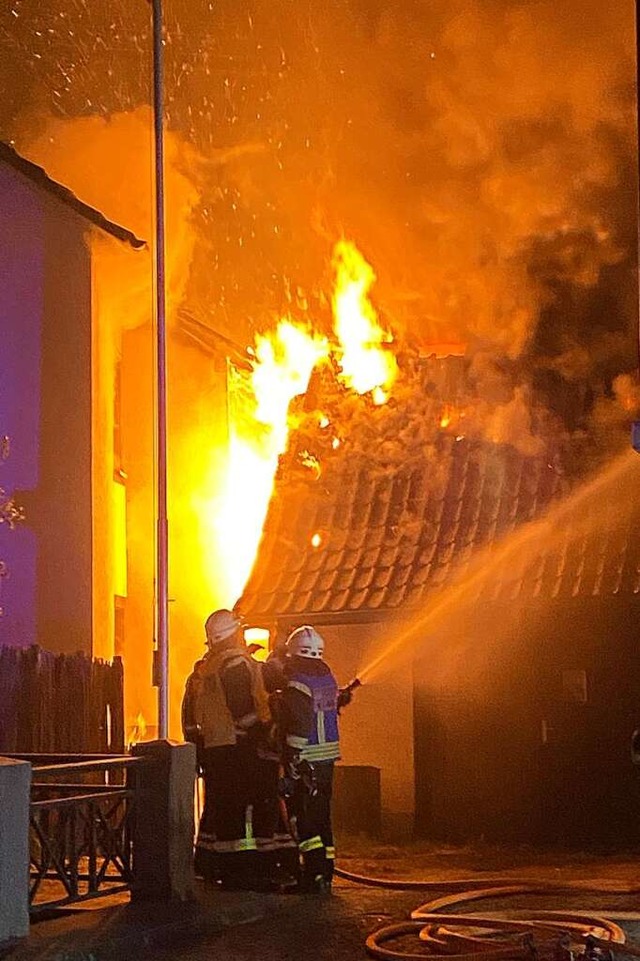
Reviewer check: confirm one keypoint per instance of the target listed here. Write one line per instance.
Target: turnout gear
(311, 736)
(305, 642)
(225, 711)
(224, 699)
(312, 721)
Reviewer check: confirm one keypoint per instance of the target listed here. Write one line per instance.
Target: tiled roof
(362, 541)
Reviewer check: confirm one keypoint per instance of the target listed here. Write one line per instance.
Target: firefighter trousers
(312, 818)
(225, 846)
(238, 843)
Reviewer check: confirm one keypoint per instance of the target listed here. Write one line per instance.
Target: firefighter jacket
(310, 710)
(224, 699)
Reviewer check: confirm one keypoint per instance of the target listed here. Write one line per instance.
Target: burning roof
(415, 498)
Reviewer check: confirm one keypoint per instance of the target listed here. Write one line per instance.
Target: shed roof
(365, 538)
(39, 177)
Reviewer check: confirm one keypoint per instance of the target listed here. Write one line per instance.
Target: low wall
(15, 790)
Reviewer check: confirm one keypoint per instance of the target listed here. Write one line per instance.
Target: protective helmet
(221, 625)
(305, 642)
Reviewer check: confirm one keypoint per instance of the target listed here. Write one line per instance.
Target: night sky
(481, 155)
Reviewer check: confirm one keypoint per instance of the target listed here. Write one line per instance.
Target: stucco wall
(21, 295)
(377, 728)
(45, 398)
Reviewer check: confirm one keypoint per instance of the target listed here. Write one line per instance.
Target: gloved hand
(292, 767)
(307, 775)
(345, 696)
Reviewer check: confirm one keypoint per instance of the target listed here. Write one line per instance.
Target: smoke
(109, 165)
(481, 155)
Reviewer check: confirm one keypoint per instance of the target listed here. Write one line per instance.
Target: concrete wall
(377, 728)
(15, 787)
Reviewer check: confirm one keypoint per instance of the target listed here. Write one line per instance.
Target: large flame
(365, 364)
(283, 362)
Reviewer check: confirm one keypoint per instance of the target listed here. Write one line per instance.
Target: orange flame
(365, 364)
(139, 730)
(284, 361)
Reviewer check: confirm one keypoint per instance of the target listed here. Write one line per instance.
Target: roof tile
(396, 528)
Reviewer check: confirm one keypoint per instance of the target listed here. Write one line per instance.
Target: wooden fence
(60, 703)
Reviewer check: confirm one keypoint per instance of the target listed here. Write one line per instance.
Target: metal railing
(80, 832)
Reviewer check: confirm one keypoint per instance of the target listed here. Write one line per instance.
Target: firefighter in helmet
(311, 701)
(225, 712)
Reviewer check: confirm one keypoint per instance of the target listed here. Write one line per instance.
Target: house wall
(64, 492)
(523, 725)
(197, 424)
(22, 268)
(46, 410)
(377, 727)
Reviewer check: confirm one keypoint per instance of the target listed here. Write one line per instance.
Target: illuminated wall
(377, 727)
(45, 407)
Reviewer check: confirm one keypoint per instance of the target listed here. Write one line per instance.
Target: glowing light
(139, 730)
(335, 443)
(257, 640)
(284, 361)
(311, 461)
(316, 540)
(365, 363)
(324, 421)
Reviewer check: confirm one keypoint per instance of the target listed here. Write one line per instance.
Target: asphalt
(114, 928)
(241, 926)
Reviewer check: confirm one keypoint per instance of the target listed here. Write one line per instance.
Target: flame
(284, 360)
(257, 641)
(139, 730)
(365, 364)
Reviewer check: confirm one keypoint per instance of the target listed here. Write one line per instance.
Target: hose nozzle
(345, 694)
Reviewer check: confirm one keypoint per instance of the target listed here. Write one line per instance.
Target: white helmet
(221, 625)
(305, 642)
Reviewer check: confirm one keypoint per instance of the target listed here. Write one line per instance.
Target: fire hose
(508, 935)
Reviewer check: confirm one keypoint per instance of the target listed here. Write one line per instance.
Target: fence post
(163, 824)
(15, 791)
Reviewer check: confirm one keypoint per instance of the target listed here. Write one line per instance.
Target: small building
(64, 568)
(490, 602)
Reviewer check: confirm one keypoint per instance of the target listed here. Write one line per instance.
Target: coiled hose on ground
(518, 933)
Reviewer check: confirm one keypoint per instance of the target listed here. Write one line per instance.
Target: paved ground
(244, 927)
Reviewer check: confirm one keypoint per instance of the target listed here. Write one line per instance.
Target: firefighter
(277, 849)
(311, 701)
(225, 712)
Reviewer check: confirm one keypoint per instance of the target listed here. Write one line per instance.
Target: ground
(335, 929)
(244, 927)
